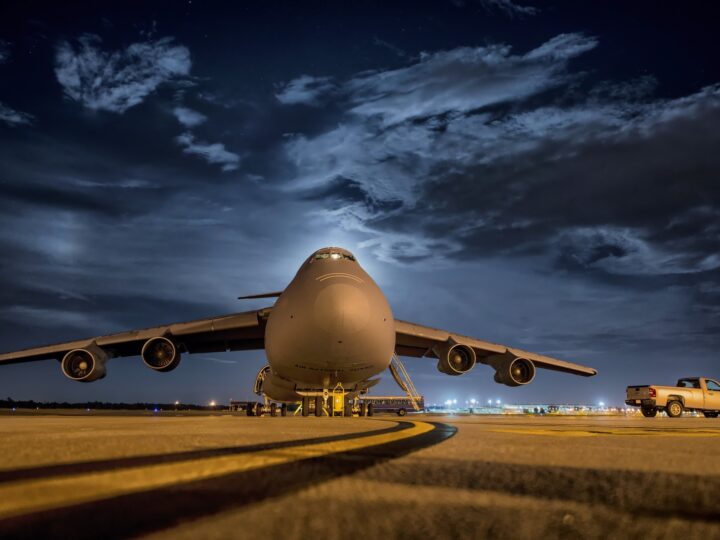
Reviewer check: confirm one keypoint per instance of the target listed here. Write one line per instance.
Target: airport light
(454, 401)
(601, 403)
(497, 402)
(177, 403)
(472, 401)
(489, 401)
(212, 403)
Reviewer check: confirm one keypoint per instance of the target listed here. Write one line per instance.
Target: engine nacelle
(454, 358)
(512, 370)
(85, 365)
(160, 354)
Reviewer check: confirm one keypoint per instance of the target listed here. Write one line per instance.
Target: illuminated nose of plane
(342, 309)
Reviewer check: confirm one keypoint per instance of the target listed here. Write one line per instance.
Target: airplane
(331, 325)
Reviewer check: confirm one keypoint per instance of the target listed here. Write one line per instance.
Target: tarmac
(223, 476)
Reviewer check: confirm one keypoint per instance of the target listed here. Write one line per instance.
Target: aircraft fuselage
(332, 324)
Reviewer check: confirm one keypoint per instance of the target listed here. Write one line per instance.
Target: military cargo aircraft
(331, 325)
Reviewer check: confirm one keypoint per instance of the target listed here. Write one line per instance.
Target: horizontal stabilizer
(263, 295)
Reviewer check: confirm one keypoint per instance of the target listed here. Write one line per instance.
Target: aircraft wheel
(259, 409)
(402, 412)
(347, 410)
(273, 409)
(363, 409)
(674, 409)
(648, 412)
(305, 406)
(370, 409)
(283, 409)
(710, 414)
(318, 405)
(250, 409)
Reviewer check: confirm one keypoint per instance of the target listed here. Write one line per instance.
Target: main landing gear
(333, 402)
(259, 409)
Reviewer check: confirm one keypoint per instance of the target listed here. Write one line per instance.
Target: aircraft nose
(342, 309)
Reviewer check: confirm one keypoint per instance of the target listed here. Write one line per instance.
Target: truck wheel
(674, 409)
(710, 414)
(648, 412)
(401, 412)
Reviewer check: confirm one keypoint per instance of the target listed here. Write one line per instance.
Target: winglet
(264, 295)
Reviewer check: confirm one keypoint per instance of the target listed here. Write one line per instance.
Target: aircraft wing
(418, 341)
(239, 331)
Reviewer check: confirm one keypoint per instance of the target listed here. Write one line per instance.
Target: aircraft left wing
(238, 331)
(418, 341)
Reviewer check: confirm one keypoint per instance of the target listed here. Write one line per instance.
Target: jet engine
(512, 370)
(160, 354)
(85, 365)
(454, 358)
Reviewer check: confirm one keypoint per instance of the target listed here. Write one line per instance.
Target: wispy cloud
(304, 90)
(188, 117)
(509, 8)
(12, 117)
(4, 51)
(214, 153)
(116, 81)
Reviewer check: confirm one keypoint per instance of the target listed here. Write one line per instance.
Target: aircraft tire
(273, 409)
(318, 405)
(674, 409)
(363, 409)
(347, 410)
(283, 409)
(250, 409)
(259, 409)
(305, 406)
(370, 409)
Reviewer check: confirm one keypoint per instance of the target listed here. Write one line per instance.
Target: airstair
(402, 378)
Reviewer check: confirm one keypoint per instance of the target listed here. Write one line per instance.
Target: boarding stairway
(402, 378)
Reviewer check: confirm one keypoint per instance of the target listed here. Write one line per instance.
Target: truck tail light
(652, 392)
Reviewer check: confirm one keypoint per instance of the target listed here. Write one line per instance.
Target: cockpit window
(334, 255)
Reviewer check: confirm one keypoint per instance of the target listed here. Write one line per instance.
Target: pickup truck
(691, 394)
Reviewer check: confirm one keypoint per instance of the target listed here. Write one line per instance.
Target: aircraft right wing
(417, 340)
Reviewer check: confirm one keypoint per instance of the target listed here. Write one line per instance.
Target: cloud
(463, 79)
(12, 117)
(188, 117)
(509, 8)
(4, 51)
(480, 152)
(214, 153)
(117, 81)
(305, 90)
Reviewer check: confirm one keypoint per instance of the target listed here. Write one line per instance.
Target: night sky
(543, 175)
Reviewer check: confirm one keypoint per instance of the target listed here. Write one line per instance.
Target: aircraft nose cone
(342, 309)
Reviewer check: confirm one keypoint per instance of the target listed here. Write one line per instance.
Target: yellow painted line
(23, 497)
(611, 432)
